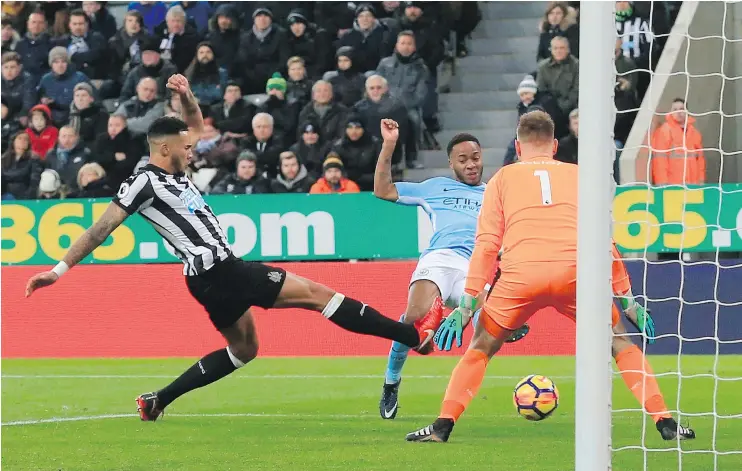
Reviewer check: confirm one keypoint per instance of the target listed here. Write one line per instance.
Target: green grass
(305, 422)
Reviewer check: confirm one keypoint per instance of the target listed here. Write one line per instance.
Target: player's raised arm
(190, 109)
(89, 241)
(490, 230)
(383, 185)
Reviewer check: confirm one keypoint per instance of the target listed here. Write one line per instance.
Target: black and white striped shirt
(175, 208)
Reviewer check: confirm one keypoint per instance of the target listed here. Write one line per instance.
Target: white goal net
(677, 219)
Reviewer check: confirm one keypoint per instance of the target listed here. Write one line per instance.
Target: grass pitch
(321, 414)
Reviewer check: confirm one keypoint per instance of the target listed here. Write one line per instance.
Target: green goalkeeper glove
(643, 322)
(452, 327)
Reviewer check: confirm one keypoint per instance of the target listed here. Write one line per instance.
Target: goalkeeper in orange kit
(530, 211)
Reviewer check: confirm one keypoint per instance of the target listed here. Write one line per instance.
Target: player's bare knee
(318, 295)
(485, 342)
(245, 351)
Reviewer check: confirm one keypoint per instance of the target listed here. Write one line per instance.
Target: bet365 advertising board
(356, 226)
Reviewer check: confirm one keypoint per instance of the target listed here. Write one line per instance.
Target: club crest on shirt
(192, 200)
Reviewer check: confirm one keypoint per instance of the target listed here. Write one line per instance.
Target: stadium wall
(120, 311)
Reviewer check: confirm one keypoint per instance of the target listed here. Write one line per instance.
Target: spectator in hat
(206, 78)
(347, 80)
(92, 182)
(34, 47)
(143, 109)
(264, 144)
(293, 176)
(246, 179)
(117, 150)
(101, 20)
(359, 151)
(125, 47)
(284, 114)
(333, 180)
(178, 39)
(233, 115)
(298, 85)
(198, 14)
(301, 43)
(153, 66)
(370, 39)
(16, 86)
(380, 104)
(152, 12)
(49, 185)
(68, 157)
(56, 88)
(263, 51)
(87, 117)
(330, 115)
(21, 169)
(86, 49)
(41, 130)
(335, 17)
(311, 149)
(224, 36)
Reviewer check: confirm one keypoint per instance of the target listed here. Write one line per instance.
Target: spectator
(206, 79)
(16, 86)
(298, 86)
(9, 127)
(233, 116)
(370, 39)
(56, 88)
(16, 13)
(330, 116)
(141, 110)
(335, 17)
(34, 47)
(21, 169)
(86, 49)
(101, 20)
(214, 152)
(567, 149)
(225, 37)
(87, 117)
(198, 14)
(677, 149)
(152, 12)
(558, 21)
(389, 10)
(464, 17)
(9, 35)
(41, 131)
(153, 65)
(92, 182)
(50, 185)
(125, 46)
(263, 51)
(245, 180)
(332, 180)
(560, 76)
(379, 104)
(301, 43)
(68, 157)
(625, 96)
(284, 113)
(293, 176)
(117, 151)
(347, 81)
(178, 39)
(173, 106)
(310, 149)
(407, 78)
(264, 144)
(359, 152)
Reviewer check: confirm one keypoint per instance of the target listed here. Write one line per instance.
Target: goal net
(677, 219)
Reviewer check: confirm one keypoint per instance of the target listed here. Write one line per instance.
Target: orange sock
(464, 384)
(631, 361)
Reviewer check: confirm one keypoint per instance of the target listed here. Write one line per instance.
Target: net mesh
(678, 222)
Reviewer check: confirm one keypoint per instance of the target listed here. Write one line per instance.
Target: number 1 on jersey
(543, 177)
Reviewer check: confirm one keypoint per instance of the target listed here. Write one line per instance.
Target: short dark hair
(458, 139)
(678, 100)
(80, 12)
(166, 126)
(11, 57)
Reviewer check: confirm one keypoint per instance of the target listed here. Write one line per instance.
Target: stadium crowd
(292, 92)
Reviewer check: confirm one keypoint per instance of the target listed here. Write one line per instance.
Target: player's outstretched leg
(639, 377)
(242, 348)
(423, 298)
(465, 381)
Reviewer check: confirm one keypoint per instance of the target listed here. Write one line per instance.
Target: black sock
(214, 366)
(361, 318)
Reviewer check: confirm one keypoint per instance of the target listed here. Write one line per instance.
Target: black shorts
(231, 287)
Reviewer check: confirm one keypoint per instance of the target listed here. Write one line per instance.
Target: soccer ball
(535, 397)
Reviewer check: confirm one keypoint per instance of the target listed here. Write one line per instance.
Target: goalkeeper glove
(452, 327)
(644, 322)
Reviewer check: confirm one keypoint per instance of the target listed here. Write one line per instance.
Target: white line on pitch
(259, 377)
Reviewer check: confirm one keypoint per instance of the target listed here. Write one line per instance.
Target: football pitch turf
(322, 413)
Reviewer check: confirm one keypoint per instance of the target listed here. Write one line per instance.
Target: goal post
(596, 189)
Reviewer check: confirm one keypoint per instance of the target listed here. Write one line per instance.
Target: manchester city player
(453, 204)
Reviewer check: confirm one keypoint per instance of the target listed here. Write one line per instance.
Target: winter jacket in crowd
(562, 80)
(567, 150)
(299, 92)
(160, 72)
(34, 53)
(105, 150)
(61, 89)
(369, 46)
(234, 185)
(428, 38)
(236, 119)
(197, 13)
(284, 114)
(103, 22)
(42, 141)
(183, 47)
(88, 54)
(90, 122)
(260, 56)
(331, 119)
(10, 127)
(153, 13)
(120, 53)
(568, 28)
(311, 156)
(226, 44)
(677, 153)
(140, 115)
(20, 177)
(388, 107)
(100, 188)
(346, 186)
(302, 183)
(68, 163)
(208, 83)
(18, 94)
(407, 78)
(359, 158)
(334, 16)
(267, 152)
